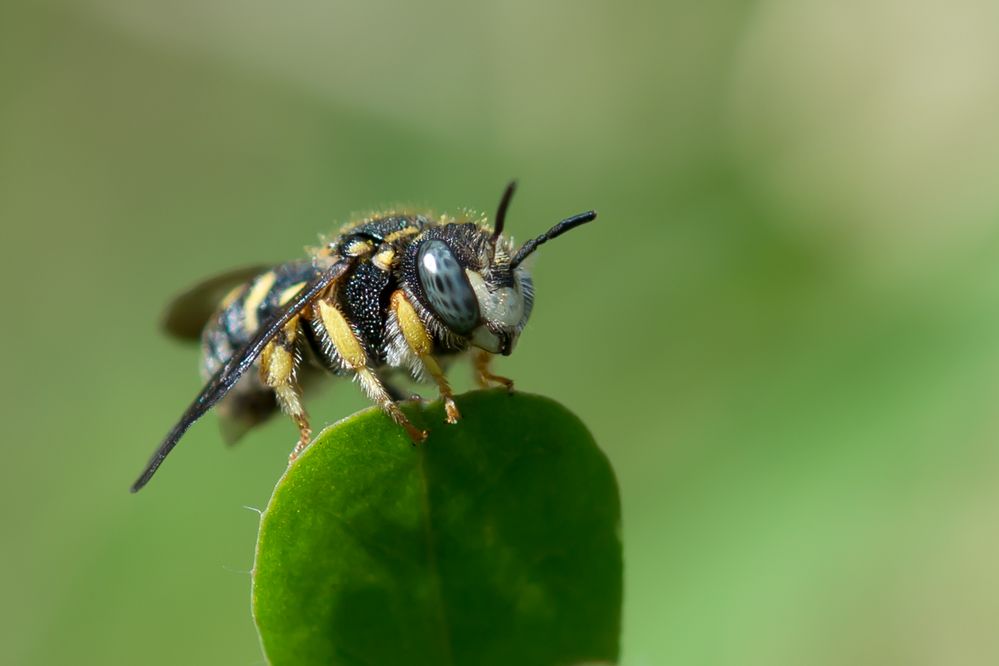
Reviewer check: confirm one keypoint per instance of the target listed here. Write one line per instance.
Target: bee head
(476, 285)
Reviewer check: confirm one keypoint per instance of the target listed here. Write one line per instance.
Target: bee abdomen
(247, 308)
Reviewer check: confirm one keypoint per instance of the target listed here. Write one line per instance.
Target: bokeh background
(783, 329)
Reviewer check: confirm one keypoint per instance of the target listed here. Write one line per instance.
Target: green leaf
(495, 542)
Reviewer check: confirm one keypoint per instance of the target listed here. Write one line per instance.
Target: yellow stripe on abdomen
(289, 293)
(258, 292)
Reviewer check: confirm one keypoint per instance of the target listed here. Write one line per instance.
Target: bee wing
(229, 374)
(187, 314)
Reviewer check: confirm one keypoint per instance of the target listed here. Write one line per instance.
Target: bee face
(468, 287)
(505, 298)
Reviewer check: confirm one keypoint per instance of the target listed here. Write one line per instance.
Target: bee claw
(416, 436)
(451, 411)
(483, 376)
(297, 451)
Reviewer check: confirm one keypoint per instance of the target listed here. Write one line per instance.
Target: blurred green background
(783, 329)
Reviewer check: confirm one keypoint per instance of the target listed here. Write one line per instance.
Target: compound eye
(447, 288)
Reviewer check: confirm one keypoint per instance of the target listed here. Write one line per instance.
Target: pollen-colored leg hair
(350, 350)
(277, 370)
(481, 361)
(419, 341)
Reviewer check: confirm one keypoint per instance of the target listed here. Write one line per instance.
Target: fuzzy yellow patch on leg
(277, 370)
(483, 376)
(278, 366)
(409, 322)
(419, 341)
(350, 350)
(342, 336)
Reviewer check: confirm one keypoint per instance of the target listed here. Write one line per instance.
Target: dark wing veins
(227, 376)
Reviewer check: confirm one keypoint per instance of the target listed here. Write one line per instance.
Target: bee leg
(451, 413)
(377, 393)
(350, 351)
(278, 362)
(419, 342)
(481, 361)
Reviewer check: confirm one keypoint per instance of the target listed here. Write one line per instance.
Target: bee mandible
(395, 291)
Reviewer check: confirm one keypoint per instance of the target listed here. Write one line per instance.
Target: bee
(395, 291)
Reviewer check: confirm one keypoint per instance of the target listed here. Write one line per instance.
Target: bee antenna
(556, 231)
(503, 205)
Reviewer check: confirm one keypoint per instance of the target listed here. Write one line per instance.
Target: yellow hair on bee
(342, 336)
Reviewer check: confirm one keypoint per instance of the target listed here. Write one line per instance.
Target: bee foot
(297, 451)
(451, 411)
(416, 435)
(506, 382)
